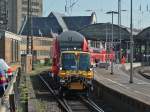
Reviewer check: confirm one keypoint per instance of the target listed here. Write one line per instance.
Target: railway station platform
(137, 94)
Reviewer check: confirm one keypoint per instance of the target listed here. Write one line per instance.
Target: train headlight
(62, 73)
(90, 75)
(91, 69)
(60, 68)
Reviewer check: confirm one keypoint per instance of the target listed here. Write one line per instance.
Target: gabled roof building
(56, 23)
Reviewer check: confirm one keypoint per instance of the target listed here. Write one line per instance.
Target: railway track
(74, 103)
(137, 71)
(144, 72)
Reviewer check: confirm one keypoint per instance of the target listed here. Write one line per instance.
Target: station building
(142, 45)
(10, 47)
(13, 12)
(44, 29)
(41, 47)
(100, 37)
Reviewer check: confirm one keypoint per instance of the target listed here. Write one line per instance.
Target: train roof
(69, 40)
(71, 36)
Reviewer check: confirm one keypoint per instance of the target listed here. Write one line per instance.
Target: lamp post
(106, 45)
(112, 38)
(28, 33)
(131, 48)
(119, 24)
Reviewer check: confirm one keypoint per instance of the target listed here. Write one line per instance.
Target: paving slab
(119, 81)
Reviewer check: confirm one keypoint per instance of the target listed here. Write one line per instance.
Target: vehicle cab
(75, 67)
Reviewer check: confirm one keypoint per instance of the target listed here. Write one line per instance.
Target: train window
(68, 61)
(84, 61)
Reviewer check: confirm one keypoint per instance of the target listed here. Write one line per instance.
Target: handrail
(5, 98)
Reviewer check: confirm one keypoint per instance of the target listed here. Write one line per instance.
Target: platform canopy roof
(144, 34)
(100, 31)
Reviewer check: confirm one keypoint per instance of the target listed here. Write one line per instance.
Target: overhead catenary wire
(69, 4)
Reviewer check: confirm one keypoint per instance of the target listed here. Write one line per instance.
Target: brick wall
(41, 47)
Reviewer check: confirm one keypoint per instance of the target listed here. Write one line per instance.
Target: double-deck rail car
(72, 62)
(101, 56)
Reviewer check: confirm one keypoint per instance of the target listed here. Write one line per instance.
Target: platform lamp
(28, 25)
(30, 32)
(131, 47)
(119, 24)
(112, 38)
(106, 44)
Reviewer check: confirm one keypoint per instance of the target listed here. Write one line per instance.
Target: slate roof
(42, 26)
(77, 22)
(55, 23)
(98, 31)
(144, 34)
(60, 20)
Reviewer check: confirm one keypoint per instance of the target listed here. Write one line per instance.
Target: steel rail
(55, 95)
(92, 104)
(69, 108)
(63, 102)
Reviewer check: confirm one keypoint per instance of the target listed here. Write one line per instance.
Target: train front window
(84, 61)
(68, 61)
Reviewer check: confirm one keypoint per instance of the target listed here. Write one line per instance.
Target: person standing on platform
(123, 60)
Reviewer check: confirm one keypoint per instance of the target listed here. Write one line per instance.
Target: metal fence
(7, 103)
